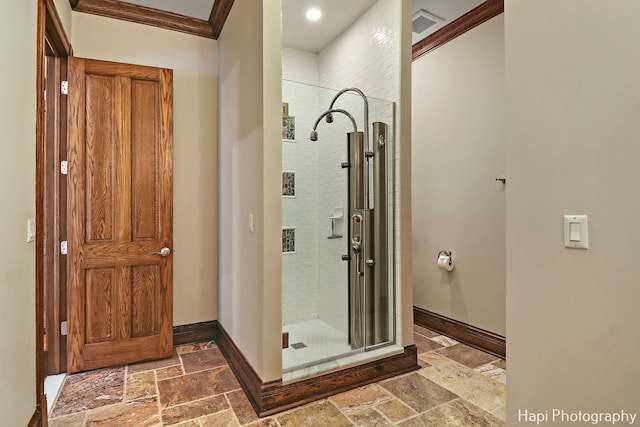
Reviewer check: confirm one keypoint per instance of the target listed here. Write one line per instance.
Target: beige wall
(193, 60)
(573, 147)
(404, 226)
(17, 183)
(63, 7)
(250, 155)
(458, 147)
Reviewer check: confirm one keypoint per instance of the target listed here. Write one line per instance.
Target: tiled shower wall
(300, 269)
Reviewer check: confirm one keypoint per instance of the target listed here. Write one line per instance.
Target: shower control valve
(370, 262)
(346, 257)
(368, 154)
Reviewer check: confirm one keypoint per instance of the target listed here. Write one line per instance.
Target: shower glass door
(322, 306)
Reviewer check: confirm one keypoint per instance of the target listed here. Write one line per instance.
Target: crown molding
(218, 17)
(149, 16)
(487, 10)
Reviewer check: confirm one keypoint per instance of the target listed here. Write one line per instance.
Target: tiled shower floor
(321, 342)
(457, 385)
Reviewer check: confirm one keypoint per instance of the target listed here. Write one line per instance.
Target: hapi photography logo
(560, 416)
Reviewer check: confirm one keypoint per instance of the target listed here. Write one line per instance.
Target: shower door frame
(383, 332)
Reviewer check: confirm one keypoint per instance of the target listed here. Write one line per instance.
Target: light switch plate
(576, 232)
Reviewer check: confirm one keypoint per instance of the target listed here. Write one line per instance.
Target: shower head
(314, 133)
(329, 118)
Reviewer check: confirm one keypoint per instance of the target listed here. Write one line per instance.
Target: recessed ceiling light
(314, 14)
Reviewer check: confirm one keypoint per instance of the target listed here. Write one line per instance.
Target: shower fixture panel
(368, 308)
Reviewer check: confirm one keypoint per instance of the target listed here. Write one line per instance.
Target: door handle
(163, 252)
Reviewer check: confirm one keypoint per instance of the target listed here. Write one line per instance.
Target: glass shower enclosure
(337, 235)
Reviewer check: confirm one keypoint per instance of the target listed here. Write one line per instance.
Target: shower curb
(270, 397)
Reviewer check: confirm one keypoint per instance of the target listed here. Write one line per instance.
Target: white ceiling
(337, 15)
(300, 33)
(194, 8)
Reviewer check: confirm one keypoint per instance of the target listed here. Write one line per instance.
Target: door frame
(54, 208)
(50, 39)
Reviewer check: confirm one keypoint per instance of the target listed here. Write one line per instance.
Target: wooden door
(120, 209)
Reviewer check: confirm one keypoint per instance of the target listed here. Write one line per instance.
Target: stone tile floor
(456, 386)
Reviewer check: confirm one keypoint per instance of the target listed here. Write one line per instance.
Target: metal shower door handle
(356, 228)
(163, 252)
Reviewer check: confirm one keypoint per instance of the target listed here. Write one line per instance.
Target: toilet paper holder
(447, 254)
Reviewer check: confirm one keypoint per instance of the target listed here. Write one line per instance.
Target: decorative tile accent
(288, 240)
(289, 128)
(288, 184)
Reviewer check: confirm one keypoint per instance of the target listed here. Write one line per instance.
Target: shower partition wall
(338, 294)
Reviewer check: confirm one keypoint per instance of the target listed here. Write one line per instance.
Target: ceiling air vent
(423, 20)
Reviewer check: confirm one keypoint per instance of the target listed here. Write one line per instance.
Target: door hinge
(64, 167)
(64, 87)
(63, 247)
(63, 328)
